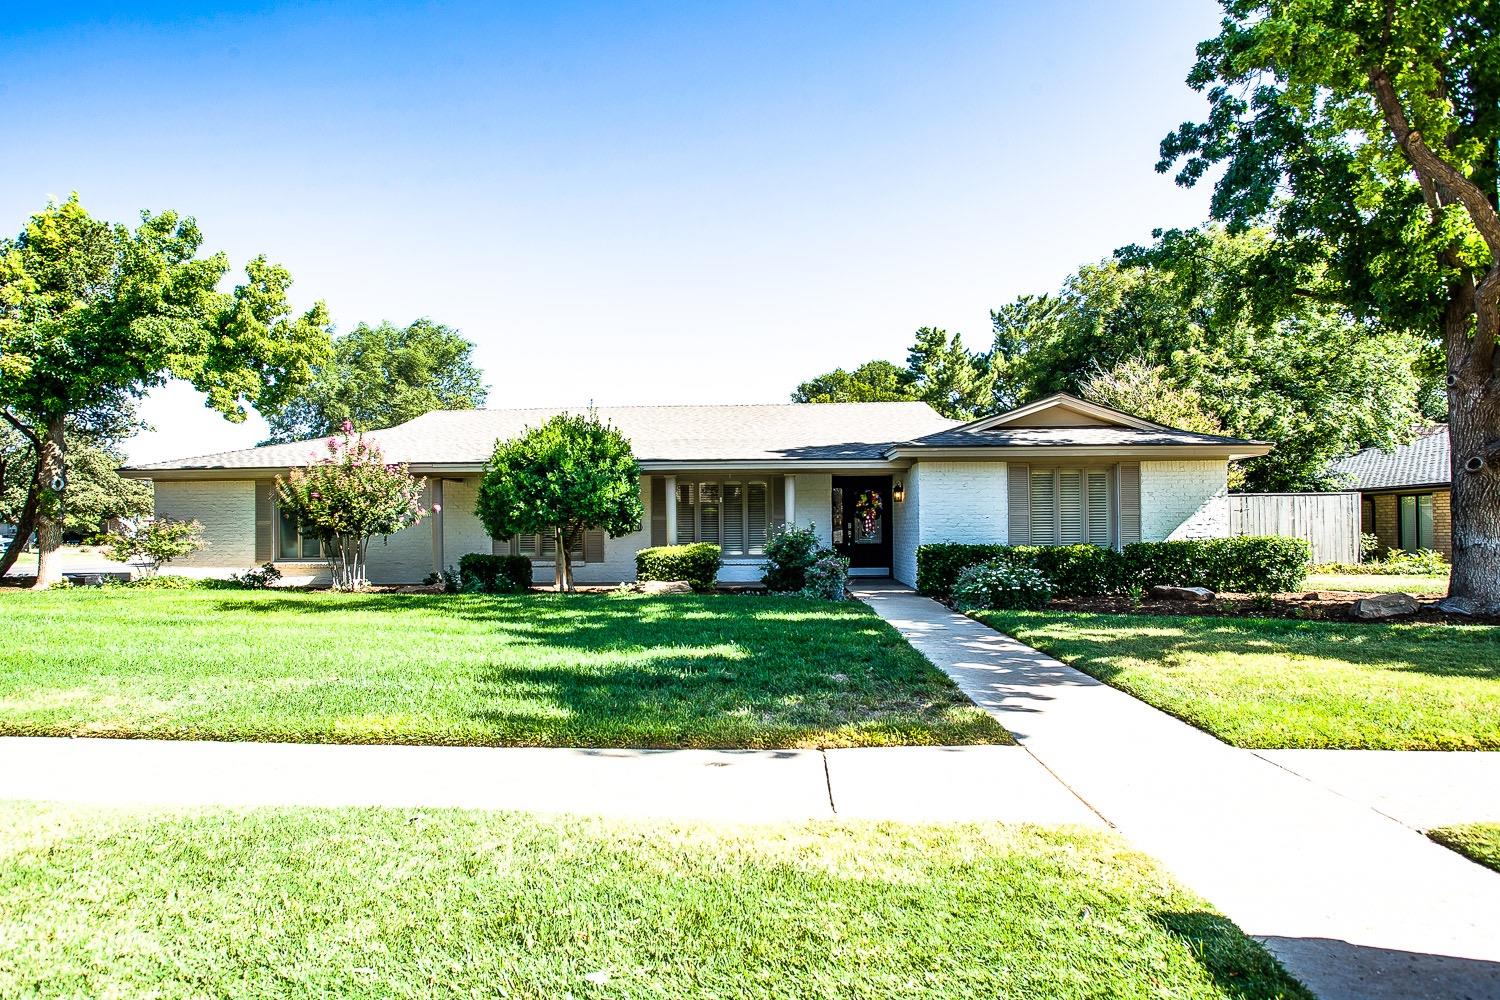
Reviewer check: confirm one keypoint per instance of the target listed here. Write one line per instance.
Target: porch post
(789, 498)
(435, 496)
(671, 495)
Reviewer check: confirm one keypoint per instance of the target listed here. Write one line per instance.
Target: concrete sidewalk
(1354, 903)
(1420, 788)
(917, 784)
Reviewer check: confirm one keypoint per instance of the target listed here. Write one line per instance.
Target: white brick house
(875, 480)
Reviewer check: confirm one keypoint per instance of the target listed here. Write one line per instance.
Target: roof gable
(1061, 410)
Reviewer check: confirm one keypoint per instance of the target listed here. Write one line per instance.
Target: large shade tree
(380, 376)
(93, 314)
(1366, 133)
(572, 474)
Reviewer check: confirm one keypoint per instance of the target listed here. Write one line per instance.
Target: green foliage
(1004, 583)
(153, 544)
(349, 496)
(827, 579)
(697, 563)
(790, 550)
(938, 563)
(571, 474)
(1398, 562)
(380, 376)
(482, 573)
(261, 577)
(1250, 564)
(871, 382)
(1152, 393)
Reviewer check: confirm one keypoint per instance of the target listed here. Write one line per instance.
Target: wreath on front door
(867, 509)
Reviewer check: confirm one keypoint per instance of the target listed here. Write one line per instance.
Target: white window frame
(279, 525)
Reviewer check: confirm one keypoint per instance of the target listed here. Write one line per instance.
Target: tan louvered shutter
(658, 510)
(1018, 488)
(757, 516)
(687, 514)
(734, 519)
(265, 513)
(1043, 507)
(1098, 506)
(593, 545)
(778, 500)
(1072, 528)
(1130, 504)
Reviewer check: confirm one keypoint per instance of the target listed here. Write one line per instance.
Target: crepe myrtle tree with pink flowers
(349, 496)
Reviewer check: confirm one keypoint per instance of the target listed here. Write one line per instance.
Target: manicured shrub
(260, 577)
(938, 564)
(1073, 570)
(789, 554)
(1250, 564)
(1001, 584)
(827, 578)
(480, 573)
(697, 563)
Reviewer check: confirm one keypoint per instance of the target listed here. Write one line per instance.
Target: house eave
(475, 468)
(1166, 451)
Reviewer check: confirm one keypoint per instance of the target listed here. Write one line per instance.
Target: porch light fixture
(898, 492)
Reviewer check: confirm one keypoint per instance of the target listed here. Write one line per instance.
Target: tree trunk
(51, 469)
(25, 525)
(1474, 434)
(563, 564)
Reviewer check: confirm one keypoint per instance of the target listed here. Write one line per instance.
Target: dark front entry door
(862, 520)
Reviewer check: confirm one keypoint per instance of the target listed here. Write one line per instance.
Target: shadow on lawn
(1237, 964)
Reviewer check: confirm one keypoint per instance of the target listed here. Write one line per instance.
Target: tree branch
(1453, 185)
(25, 431)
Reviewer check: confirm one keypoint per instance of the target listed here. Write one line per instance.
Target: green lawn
(398, 903)
(1477, 841)
(1268, 683)
(532, 670)
(1376, 583)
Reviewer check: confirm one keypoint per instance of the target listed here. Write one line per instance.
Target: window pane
(287, 548)
(1408, 532)
(1072, 530)
(757, 516)
(1424, 521)
(1043, 509)
(1099, 508)
(687, 517)
(734, 519)
(708, 512)
(310, 547)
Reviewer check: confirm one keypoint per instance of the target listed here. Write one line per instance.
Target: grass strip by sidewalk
(589, 670)
(1479, 842)
(1275, 683)
(395, 903)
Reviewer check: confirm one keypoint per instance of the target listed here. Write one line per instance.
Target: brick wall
(226, 509)
(1388, 521)
(1184, 500)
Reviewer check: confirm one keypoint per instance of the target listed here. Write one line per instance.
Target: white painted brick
(1184, 500)
(226, 509)
(907, 527)
(950, 501)
(815, 504)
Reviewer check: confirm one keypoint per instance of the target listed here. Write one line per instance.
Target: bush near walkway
(389, 902)
(595, 670)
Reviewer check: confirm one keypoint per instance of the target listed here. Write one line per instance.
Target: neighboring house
(875, 480)
(1404, 493)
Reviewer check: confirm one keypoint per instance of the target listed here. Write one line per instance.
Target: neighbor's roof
(839, 432)
(1423, 462)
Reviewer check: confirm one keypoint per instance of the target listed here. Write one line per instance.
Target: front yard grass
(398, 903)
(1479, 842)
(1275, 683)
(593, 670)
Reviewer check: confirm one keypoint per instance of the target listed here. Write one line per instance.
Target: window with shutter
(1043, 508)
(687, 513)
(1071, 526)
(757, 517)
(734, 518)
(1098, 500)
(708, 512)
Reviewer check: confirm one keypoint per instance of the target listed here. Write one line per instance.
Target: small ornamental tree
(151, 545)
(348, 497)
(570, 475)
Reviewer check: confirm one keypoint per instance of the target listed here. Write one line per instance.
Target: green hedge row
(697, 563)
(1248, 564)
(479, 573)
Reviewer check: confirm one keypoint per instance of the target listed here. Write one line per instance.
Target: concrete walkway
(918, 784)
(1422, 789)
(1355, 904)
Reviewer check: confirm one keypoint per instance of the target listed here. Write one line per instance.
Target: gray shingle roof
(1020, 437)
(713, 433)
(1423, 462)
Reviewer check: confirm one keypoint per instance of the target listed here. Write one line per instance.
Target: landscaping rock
(665, 587)
(1385, 606)
(1457, 606)
(1182, 593)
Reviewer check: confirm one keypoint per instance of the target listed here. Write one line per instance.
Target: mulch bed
(1320, 605)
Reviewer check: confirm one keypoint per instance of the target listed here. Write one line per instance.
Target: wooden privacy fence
(1329, 521)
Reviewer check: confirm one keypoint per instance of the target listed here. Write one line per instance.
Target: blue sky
(617, 202)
